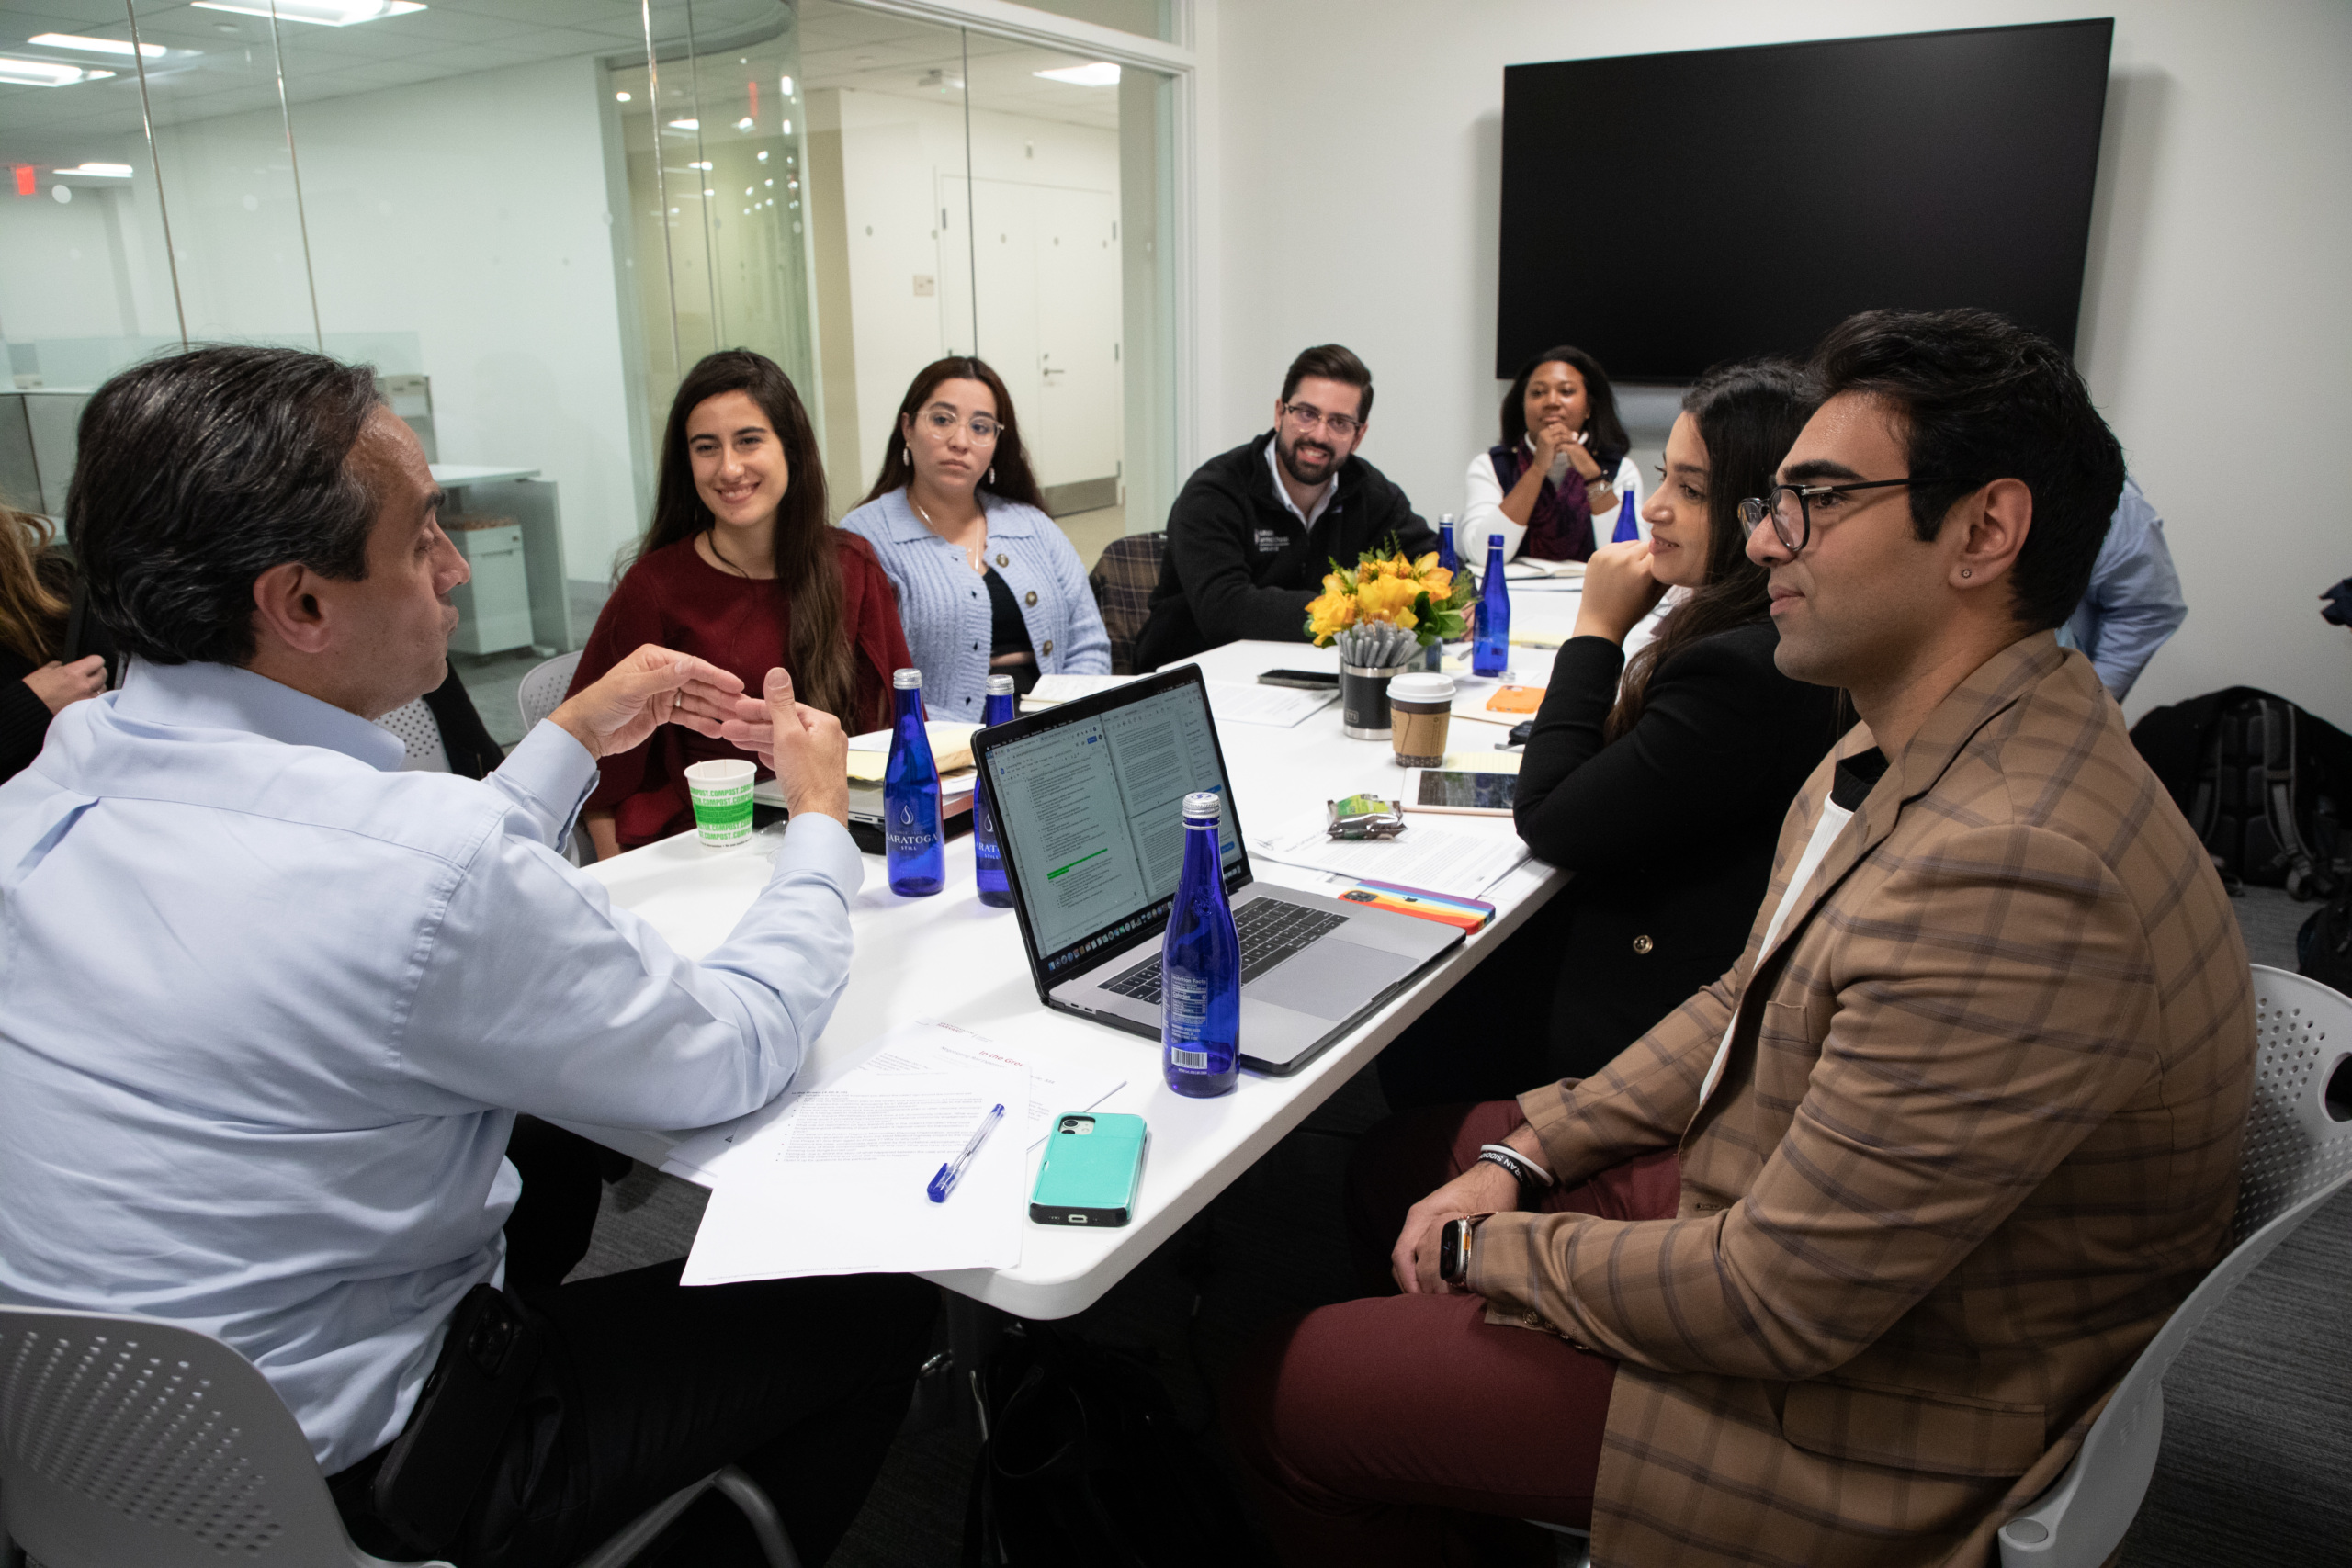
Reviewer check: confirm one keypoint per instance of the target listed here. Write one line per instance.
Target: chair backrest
(2297, 1154)
(419, 731)
(542, 688)
(125, 1440)
(1123, 580)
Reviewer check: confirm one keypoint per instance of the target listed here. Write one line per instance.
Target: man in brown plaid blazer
(1851, 1247)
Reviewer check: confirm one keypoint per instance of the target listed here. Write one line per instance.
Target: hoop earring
(1967, 572)
(991, 473)
(907, 452)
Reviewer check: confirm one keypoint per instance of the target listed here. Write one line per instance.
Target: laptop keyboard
(1271, 931)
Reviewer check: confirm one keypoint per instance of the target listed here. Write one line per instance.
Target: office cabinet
(495, 606)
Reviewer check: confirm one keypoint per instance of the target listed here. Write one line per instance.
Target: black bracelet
(1525, 1171)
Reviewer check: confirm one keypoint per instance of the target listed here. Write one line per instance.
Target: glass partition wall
(532, 220)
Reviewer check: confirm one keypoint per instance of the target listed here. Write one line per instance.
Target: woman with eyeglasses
(1659, 780)
(985, 583)
(740, 567)
(1553, 486)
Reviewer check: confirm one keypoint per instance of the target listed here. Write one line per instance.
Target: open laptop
(1089, 800)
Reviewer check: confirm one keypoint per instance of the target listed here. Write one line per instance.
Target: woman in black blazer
(1662, 790)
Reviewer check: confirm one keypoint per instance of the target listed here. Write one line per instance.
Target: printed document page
(1051, 690)
(1281, 707)
(1444, 860)
(1059, 1081)
(838, 1186)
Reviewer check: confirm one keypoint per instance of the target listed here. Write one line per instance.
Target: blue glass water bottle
(913, 841)
(1445, 556)
(1491, 638)
(1200, 964)
(987, 861)
(1627, 528)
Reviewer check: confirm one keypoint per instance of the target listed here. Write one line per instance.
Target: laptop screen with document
(1090, 806)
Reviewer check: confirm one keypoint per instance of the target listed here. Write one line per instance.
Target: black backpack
(2324, 947)
(1085, 1465)
(2263, 783)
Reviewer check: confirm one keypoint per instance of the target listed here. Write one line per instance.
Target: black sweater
(1239, 563)
(1671, 829)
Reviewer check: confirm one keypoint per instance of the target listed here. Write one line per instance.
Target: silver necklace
(971, 554)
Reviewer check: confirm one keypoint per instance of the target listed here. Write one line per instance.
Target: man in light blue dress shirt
(2133, 603)
(268, 1004)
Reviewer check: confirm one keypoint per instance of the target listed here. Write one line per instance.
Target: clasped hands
(805, 747)
(1554, 440)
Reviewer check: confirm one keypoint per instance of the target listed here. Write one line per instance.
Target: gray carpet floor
(2256, 1466)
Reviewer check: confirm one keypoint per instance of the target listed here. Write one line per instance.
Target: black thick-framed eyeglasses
(1308, 416)
(1791, 508)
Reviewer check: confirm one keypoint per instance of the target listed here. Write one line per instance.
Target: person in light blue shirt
(2133, 603)
(985, 583)
(268, 1004)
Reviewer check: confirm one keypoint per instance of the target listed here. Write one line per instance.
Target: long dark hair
(31, 609)
(1749, 415)
(1605, 435)
(808, 570)
(1009, 475)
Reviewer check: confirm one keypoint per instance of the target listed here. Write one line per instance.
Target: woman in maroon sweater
(740, 567)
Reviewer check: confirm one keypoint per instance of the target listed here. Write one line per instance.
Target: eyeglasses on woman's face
(1306, 416)
(939, 423)
(1792, 508)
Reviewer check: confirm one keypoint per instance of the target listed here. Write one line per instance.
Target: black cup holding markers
(1363, 700)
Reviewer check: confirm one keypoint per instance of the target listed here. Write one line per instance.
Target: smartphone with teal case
(1093, 1160)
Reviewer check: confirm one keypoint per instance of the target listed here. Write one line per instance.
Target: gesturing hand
(653, 686)
(1484, 1188)
(60, 685)
(1618, 590)
(805, 747)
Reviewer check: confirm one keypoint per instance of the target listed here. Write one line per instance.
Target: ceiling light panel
(1097, 74)
(95, 45)
(17, 71)
(323, 13)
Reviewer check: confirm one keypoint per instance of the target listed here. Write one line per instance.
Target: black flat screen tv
(1668, 211)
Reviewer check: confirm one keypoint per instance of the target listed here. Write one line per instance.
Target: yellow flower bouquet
(1387, 589)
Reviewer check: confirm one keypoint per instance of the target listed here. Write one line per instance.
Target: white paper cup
(721, 792)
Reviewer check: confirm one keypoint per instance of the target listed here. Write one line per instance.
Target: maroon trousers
(1366, 1429)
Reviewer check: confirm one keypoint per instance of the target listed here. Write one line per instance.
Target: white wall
(472, 212)
(1357, 190)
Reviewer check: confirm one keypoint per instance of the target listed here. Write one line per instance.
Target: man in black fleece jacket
(1255, 528)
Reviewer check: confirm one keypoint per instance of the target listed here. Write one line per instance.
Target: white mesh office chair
(128, 1440)
(543, 686)
(2298, 1155)
(539, 694)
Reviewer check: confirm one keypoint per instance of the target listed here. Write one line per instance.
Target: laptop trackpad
(1328, 979)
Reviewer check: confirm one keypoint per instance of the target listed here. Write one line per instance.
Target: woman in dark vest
(1553, 487)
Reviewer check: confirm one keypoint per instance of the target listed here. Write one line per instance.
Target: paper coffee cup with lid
(1420, 710)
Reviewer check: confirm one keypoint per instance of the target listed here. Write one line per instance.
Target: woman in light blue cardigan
(985, 582)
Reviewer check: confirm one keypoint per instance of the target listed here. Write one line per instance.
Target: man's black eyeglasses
(1791, 508)
(1308, 416)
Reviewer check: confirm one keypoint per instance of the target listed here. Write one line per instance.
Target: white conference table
(951, 959)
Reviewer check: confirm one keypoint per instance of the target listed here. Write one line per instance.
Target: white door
(1047, 322)
(1077, 425)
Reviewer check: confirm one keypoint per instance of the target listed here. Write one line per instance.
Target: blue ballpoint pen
(953, 1171)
